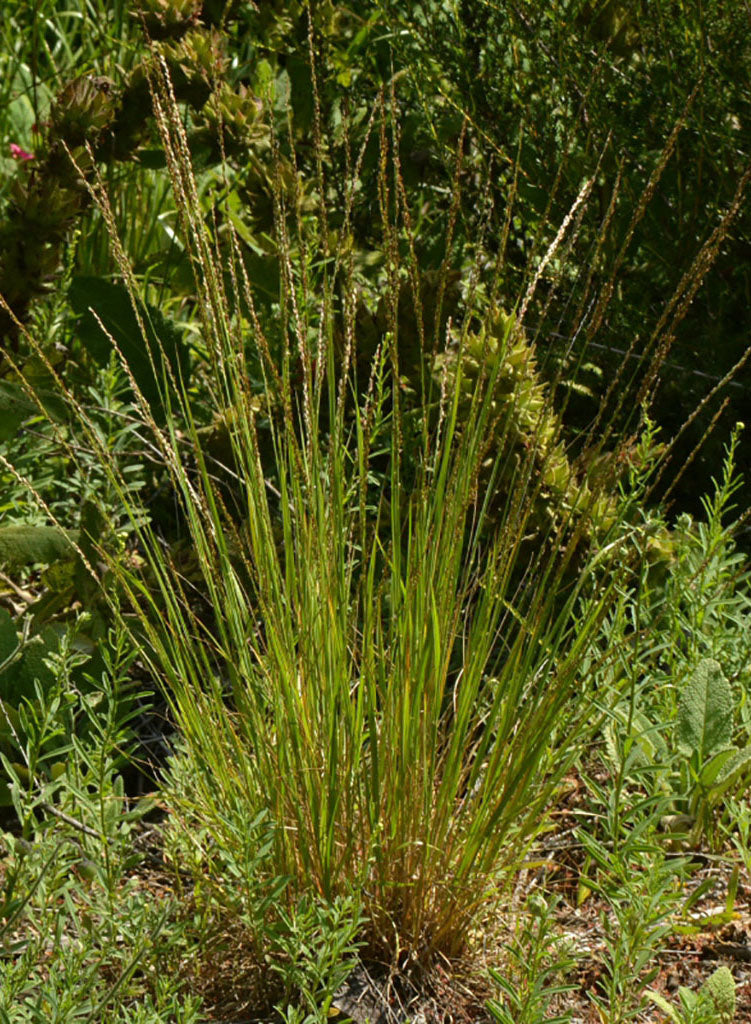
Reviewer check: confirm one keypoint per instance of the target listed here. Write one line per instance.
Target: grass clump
(396, 600)
(394, 690)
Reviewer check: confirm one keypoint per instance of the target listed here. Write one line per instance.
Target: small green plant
(540, 964)
(318, 946)
(77, 930)
(712, 766)
(714, 1003)
(39, 730)
(175, 1009)
(681, 643)
(739, 812)
(702, 768)
(641, 887)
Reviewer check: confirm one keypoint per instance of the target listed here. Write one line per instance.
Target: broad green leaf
(145, 356)
(647, 747)
(9, 721)
(94, 526)
(664, 1005)
(731, 771)
(26, 545)
(152, 158)
(8, 635)
(713, 768)
(705, 712)
(15, 407)
(32, 666)
(51, 603)
(59, 576)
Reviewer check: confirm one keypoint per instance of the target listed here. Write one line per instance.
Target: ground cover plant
(300, 476)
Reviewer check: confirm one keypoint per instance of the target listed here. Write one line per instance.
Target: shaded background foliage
(534, 97)
(553, 87)
(566, 82)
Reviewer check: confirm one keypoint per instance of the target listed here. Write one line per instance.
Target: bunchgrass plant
(360, 658)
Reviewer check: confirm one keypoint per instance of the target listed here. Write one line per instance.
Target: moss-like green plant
(524, 422)
(720, 989)
(165, 19)
(714, 1003)
(714, 766)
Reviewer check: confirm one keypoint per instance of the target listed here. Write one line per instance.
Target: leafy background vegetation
(374, 586)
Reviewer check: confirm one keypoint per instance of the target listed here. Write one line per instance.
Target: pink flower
(19, 154)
